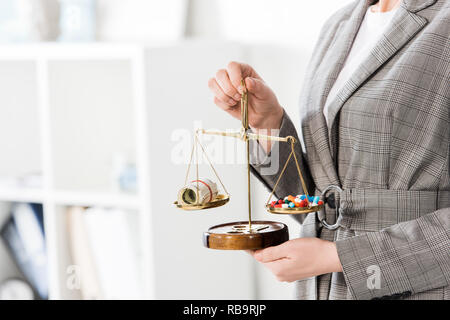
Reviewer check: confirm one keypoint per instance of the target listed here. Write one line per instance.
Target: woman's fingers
(264, 111)
(227, 83)
(234, 111)
(270, 254)
(257, 87)
(274, 260)
(224, 81)
(238, 71)
(220, 94)
(280, 269)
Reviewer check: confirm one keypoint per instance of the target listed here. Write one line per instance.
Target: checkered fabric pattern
(387, 147)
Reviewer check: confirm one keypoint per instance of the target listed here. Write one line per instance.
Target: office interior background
(98, 102)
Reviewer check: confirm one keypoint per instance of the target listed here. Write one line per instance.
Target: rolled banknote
(207, 192)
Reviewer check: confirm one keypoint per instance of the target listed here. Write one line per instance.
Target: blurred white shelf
(71, 198)
(95, 100)
(17, 194)
(89, 199)
(118, 70)
(78, 51)
(58, 51)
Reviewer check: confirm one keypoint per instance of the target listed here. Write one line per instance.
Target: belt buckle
(336, 207)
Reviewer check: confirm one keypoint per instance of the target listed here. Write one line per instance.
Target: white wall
(141, 20)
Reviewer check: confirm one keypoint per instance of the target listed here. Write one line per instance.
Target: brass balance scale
(243, 235)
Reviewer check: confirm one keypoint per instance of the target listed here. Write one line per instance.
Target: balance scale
(245, 235)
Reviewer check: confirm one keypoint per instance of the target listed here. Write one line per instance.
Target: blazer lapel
(405, 25)
(326, 75)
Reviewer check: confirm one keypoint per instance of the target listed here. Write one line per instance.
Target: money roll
(207, 192)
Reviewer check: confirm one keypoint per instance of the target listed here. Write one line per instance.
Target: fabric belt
(376, 209)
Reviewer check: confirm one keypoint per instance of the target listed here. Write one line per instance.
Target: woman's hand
(300, 258)
(264, 111)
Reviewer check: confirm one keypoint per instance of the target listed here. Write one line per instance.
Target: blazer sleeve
(410, 257)
(267, 167)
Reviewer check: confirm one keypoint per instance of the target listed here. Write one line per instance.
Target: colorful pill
(316, 200)
(300, 200)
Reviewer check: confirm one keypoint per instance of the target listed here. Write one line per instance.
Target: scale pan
(236, 235)
(296, 210)
(219, 201)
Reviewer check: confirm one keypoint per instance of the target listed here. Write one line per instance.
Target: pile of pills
(300, 201)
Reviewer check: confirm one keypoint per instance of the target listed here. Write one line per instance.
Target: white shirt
(372, 26)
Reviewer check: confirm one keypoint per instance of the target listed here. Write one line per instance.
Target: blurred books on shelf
(103, 249)
(28, 20)
(23, 234)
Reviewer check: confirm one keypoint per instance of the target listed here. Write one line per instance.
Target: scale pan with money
(202, 194)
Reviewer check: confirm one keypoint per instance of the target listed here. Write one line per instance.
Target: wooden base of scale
(237, 236)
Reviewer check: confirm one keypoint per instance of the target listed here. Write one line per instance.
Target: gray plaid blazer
(387, 147)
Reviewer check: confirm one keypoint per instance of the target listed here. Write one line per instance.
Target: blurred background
(98, 102)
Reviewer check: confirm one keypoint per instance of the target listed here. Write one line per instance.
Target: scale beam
(235, 134)
(242, 135)
(255, 136)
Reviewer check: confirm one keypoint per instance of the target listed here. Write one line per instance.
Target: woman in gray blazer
(375, 120)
